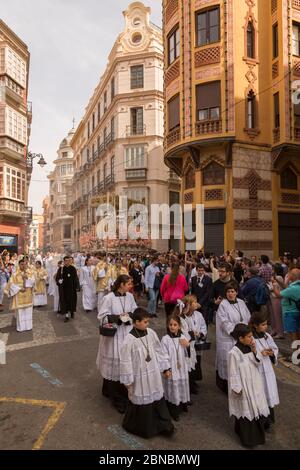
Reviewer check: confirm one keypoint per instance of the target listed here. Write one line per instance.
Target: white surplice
(23, 315)
(89, 296)
(176, 388)
(108, 358)
(228, 315)
(145, 376)
(267, 370)
(244, 376)
(192, 357)
(39, 300)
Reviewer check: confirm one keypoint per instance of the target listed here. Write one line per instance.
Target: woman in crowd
(173, 287)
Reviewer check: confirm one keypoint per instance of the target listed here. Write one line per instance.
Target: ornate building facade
(15, 121)
(60, 221)
(232, 130)
(118, 146)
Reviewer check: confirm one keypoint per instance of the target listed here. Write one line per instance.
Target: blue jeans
(152, 301)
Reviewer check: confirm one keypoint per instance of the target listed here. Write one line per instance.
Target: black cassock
(67, 289)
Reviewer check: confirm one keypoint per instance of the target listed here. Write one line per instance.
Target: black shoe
(184, 407)
(72, 315)
(66, 320)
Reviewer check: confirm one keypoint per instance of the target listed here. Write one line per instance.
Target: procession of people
(248, 302)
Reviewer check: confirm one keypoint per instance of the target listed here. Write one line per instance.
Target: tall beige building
(60, 178)
(36, 234)
(118, 146)
(15, 120)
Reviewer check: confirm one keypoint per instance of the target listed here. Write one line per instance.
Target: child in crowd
(176, 387)
(247, 400)
(142, 364)
(269, 351)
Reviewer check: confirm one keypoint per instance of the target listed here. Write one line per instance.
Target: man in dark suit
(68, 286)
(201, 286)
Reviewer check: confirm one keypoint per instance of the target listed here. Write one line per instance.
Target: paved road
(50, 395)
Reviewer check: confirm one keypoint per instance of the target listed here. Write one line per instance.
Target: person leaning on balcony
(102, 276)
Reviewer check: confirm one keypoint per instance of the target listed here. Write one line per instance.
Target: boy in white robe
(266, 346)
(142, 364)
(87, 283)
(246, 395)
(20, 290)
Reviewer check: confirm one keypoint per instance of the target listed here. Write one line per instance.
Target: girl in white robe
(269, 351)
(116, 308)
(231, 311)
(87, 283)
(247, 400)
(176, 387)
(142, 364)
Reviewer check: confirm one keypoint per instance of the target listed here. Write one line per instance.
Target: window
(98, 176)
(297, 115)
(112, 88)
(288, 179)
(64, 155)
(15, 66)
(88, 130)
(208, 27)
(15, 125)
(213, 174)
(112, 128)
(99, 113)
(136, 195)
(137, 76)
(87, 155)
(173, 45)
(189, 179)
(112, 165)
(93, 121)
(63, 170)
(67, 231)
(105, 101)
(137, 121)
(70, 169)
(135, 157)
(174, 113)
(296, 39)
(275, 40)
(15, 183)
(105, 171)
(251, 118)
(250, 40)
(276, 111)
(208, 101)
(105, 135)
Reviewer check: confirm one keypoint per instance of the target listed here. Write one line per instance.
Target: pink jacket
(170, 293)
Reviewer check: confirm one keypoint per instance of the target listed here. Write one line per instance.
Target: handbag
(108, 329)
(202, 344)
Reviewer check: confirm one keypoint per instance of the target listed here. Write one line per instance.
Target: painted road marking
(126, 438)
(53, 419)
(44, 373)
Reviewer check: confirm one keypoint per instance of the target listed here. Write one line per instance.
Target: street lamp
(31, 156)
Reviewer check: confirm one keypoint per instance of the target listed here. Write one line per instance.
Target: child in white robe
(142, 364)
(246, 395)
(176, 387)
(86, 280)
(269, 351)
(116, 309)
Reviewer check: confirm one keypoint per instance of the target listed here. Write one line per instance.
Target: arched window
(250, 40)
(189, 179)
(251, 114)
(288, 179)
(213, 174)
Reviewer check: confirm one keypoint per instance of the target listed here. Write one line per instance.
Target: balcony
(109, 181)
(276, 135)
(135, 130)
(208, 127)
(12, 89)
(11, 148)
(136, 174)
(12, 208)
(173, 136)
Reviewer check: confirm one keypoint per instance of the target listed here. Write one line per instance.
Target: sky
(69, 42)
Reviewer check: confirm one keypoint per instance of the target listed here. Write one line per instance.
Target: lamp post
(31, 156)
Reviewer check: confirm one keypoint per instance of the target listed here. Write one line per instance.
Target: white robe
(226, 319)
(176, 388)
(108, 359)
(24, 315)
(39, 300)
(244, 376)
(267, 371)
(192, 358)
(145, 376)
(89, 296)
(51, 271)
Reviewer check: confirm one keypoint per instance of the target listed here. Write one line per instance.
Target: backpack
(262, 294)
